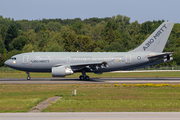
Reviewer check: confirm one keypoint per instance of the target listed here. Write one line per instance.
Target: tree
(35, 24)
(3, 32)
(176, 56)
(115, 26)
(54, 47)
(111, 37)
(134, 28)
(114, 47)
(69, 42)
(4, 21)
(146, 27)
(12, 33)
(1, 45)
(31, 36)
(98, 50)
(57, 38)
(43, 38)
(173, 40)
(125, 40)
(85, 30)
(30, 48)
(119, 22)
(177, 42)
(18, 43)
(84, 43)
(97, 31)
(55, 26)
(2, 60)
(77, 27)
(25, 25)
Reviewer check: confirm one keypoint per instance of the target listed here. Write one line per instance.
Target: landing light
(14, 62)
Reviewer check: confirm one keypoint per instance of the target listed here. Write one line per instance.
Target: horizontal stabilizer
(160, 56)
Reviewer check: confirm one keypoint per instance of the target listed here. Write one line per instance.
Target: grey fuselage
(44, 61)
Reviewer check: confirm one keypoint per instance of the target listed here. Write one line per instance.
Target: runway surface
(91, 81)
(92, 116)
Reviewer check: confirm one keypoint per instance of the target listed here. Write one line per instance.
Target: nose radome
(7, 62)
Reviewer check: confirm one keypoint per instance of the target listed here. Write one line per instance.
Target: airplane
(60, 64)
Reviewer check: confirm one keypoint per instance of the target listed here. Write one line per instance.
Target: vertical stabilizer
(157, 40)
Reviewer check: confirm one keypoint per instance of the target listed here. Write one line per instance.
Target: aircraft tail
(157, 40)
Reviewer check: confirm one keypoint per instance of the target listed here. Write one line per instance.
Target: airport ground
(118, 98)
(110, 97)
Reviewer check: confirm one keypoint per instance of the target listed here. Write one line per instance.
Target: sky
(140, 10)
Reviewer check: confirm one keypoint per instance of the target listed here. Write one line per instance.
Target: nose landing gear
(28, 76)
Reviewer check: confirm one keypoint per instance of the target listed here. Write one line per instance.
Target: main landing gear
(28, 76)
(84, 76)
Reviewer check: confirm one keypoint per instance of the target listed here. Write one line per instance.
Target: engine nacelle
(61, 71)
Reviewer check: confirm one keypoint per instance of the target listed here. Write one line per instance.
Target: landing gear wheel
(28, 78)
(84, 76)
(81, 77)
(87, 77)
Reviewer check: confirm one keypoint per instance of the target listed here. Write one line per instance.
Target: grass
(18, 98)
(91, 97)
(92, 75)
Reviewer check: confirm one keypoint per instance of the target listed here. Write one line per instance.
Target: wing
(89, 66)
(83, 64)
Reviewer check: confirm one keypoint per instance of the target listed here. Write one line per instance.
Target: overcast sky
(140, 10)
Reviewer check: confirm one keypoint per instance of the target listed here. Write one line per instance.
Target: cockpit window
(13, 58)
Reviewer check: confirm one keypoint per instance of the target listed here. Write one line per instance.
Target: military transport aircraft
(60, 64)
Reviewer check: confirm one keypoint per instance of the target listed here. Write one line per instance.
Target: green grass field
(90, 97)
(92, 75)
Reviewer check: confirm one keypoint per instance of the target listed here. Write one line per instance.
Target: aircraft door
(25, 59)
(128, 59)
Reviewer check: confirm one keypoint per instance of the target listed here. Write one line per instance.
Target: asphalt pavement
(92, 116)
(91, 81)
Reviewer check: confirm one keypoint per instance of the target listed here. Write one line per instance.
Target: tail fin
(157, 40)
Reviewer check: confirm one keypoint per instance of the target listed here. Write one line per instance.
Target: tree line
(110, 34)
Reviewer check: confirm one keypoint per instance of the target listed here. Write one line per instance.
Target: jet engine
(61, 71)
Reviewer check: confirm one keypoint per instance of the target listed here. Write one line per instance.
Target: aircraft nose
(7, 62)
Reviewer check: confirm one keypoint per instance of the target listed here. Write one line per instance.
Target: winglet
(157, 40)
